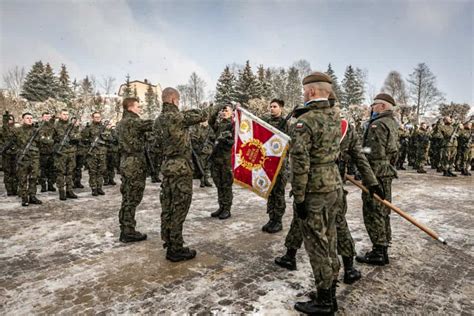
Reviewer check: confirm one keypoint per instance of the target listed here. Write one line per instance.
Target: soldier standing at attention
(221, 168)
(380, 144)
(46, 144)
(131, 137)
(317, 187)
(10, 178)
(177, 183)
(422, 144)
(96, 156)
(65, 159)
(465, 144)
(276, 203)
(449, 146)
(403, 139)
(28, 169)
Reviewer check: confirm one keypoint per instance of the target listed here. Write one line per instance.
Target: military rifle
(28, 144)
(66, 136)
(97, 138)
(454, 134)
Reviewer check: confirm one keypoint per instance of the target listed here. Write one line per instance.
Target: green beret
(317, 77)
(385, 97)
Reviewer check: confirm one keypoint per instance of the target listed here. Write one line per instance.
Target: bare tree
(304, 68)
(423, 90)
(395, 86)
(14, 79)
(108, 84)
(457, 111)
(196, 87)
(185, 94)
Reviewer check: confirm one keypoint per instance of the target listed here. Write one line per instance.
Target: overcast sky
(165, 41)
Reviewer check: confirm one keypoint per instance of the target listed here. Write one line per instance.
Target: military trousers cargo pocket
(132, 167)
(176, 168)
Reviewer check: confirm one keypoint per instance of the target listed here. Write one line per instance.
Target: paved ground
(65, 258)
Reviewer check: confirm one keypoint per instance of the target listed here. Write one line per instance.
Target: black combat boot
(202, 185)
(94, 192)
(43, 186)
(24, 201)
(288, 261)
(216, 213)
(78, 185)
(275, 227)
(313, 295)
(132, 236)
(351, 274)
(268, 224)
(445, 174)
(51, 187)
(35, 200)
(322, 305)
(70, 194)
(375, 257)
(224, 214)
(421, 170)
(451, 174)
(182, 254)
(112, 182)
(100, 191)
(62, 195)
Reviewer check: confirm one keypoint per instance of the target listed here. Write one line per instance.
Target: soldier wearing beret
(380, 145)
(317, 187)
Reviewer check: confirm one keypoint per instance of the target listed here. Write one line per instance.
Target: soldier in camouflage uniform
(403, 139)
(113, 157)
(177, 184)
(131, 136)
(81, 161)
(422, 144)
(221, 168)
(96, 136)
(317, 187)
(65, 157)
(448, 146)
(28, 168)
(276, 203)
(465, 150)
(156, 154)
(202, 140)
(46, 147)
(10, 178)
(381, 144)
(412, 146)
(435, 147)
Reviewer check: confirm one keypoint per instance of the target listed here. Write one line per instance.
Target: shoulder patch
(373, 126)
(299, 125)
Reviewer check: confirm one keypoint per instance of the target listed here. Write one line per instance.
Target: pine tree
(279, 80)
(353, 93)
(268, 91)
(34, 87)
(225, 89)
(127, 91)
(150, 102)
(293, 87)
(247, 86)
(264, 83)
(65, 93)
(336, 88)
(50, 82)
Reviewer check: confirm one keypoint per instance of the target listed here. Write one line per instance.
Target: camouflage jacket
(224, 135)
(381, 144)
(70, 146)
(351, 148)
(314, 149)
(422, 138)
(202, 139)
(464, 139)
(176, 141)
(131, 134)
(447, 131)
(22, 135)
(90, 133)
(46, 140)
(112, 142)
(7, 141)
(403, 137)
(278, 122)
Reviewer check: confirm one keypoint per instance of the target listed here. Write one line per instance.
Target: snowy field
(64, 257)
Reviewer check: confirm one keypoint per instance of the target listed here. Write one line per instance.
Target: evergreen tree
(247, 86)
(50, 81)
(65, 93)
(264, 83)
(294, 91)
(279, 79)
(34, 87)
(353, 93)
(336, 88)
(135, 92)
(268, 88)
(225, 89)
(150, 102)
(127, 91)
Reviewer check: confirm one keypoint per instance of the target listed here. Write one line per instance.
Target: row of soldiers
(446, 146)
(54, 151)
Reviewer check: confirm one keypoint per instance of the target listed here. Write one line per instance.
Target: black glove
(301, 210)
(377, 189)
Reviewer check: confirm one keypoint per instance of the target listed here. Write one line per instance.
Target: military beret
(385, 97)
(317, 77)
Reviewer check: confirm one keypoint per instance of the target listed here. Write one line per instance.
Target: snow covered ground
(65, 257)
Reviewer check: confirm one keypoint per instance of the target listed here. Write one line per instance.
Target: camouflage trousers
(133, 174)
(175, 197)
(276, 203)
(402, 155)
(28, 173)
(204, 159)
(157, 160)
(319, 236)
(421, 156)
(448, 156)
(10, 178)
(435, 157)
(80, 163)
(465, 160)
(221, 171)
(377, 216)
(64, 165)
(345, 242)
(112, 163)
(97, 168)
(47, 173)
